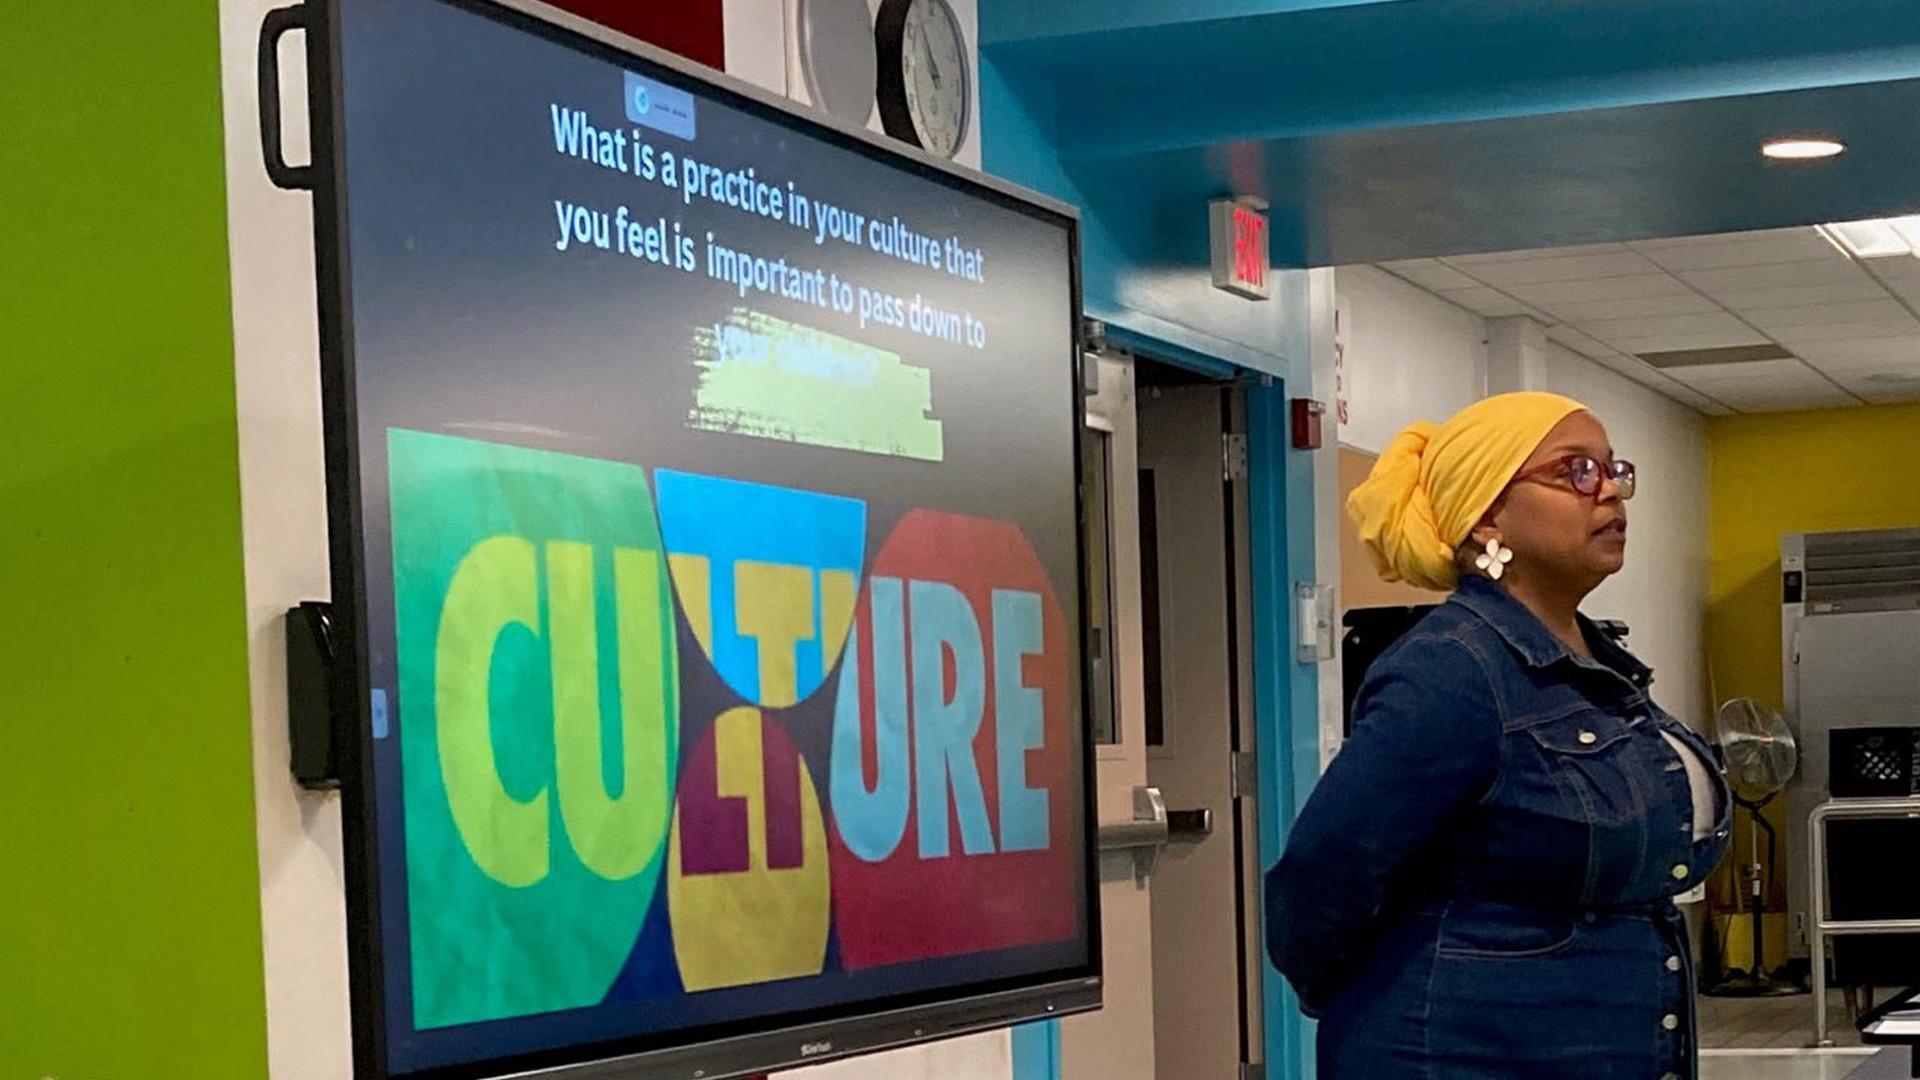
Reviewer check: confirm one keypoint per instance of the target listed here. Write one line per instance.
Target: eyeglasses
(1584, 475)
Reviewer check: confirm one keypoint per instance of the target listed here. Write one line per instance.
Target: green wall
(129, 885)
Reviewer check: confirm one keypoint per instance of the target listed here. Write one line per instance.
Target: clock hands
(926, 50)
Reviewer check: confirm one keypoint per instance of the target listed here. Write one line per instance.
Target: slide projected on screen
(715, 476)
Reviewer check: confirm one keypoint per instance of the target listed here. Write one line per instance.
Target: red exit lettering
(1250, 247)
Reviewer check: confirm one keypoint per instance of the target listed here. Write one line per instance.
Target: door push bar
(1152, 828)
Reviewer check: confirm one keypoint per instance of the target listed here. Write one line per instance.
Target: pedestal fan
(1758, 750)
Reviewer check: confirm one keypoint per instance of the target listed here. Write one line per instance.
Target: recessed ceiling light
(1803, 149)
(1876, 238)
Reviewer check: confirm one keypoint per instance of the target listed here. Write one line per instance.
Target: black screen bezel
(777, 1040)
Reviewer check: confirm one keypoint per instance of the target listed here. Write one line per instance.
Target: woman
(1482, 884)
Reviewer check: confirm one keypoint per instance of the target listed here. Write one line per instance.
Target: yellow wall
(1792, 472)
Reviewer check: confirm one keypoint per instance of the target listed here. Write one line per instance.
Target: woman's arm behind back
(1426, 743)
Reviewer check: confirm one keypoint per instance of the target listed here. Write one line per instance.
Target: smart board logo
(815, 1049)
(659, 106)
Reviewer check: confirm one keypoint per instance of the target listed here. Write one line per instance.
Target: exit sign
(1239, 233)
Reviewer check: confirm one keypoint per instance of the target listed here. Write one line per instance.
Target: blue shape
(651, 970)
(732, 521)
(380, 725)
(872, 822)
(1018, 719)
(660, 107)
(943, 731)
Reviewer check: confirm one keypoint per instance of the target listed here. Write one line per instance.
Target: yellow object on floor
(1735, 934)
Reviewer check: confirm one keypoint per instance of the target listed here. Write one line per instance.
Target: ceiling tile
(1801, 338)
(1687, 395)
(1716, 238)
(1430, 274)
(1562, 268)
(1894, 270)
(1640, 308)
(1628, 287)
(1766, 384)
(1785, 246)
(1860, 311)
(1780, 276)
(1763, 401)
(1682, 393)
(1716, 322)
(1867, 380)
(1839, 292)
(1676, 342)
(1901, 276)
(1880, 352)
(1887, 393)
(1491, 303)
(1618, 361)
(1583, 344)
(1659, 383)
(1576, 250)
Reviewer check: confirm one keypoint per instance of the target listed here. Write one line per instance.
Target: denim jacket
(1482, 883)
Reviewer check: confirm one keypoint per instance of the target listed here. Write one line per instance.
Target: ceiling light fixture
(1803, 149)
(1876, 238)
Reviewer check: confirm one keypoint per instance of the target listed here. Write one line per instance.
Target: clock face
(933, 59)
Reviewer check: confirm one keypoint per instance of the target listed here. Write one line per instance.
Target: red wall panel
(692, 28)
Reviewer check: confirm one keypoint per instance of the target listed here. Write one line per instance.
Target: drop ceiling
(1849, 329)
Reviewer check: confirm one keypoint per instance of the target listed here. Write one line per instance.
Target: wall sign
(1342, 334)
(1238, 228)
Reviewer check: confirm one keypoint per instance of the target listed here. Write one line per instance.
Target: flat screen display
(709, 484)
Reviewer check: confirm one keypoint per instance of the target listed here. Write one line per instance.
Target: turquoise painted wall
(1145, 272)
(129, 900)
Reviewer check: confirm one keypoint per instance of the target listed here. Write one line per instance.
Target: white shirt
(1699, 784)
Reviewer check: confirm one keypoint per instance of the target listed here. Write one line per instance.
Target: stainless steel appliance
(1850, 646)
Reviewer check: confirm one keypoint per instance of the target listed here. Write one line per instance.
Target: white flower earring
(1495, 561)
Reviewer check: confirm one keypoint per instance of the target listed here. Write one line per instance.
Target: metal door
(1198, 730)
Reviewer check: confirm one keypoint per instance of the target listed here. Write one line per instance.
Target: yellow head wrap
(1434, 483)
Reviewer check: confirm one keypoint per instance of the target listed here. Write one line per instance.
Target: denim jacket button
(1588, 738)
(1680, 872)
(1673, 963)
(1670, 1021)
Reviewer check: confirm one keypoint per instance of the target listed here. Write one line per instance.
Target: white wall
(284, 535)
(1322, 298)
(1412, 356)
(1662, 593)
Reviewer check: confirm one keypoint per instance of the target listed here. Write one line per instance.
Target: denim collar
(1529, 637)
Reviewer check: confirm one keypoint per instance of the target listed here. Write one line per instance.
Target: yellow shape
(692, 578)
(758, 924)
(493, 588)
(615, 837)
(773, 604)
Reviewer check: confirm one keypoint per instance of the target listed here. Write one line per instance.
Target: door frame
(1286, 726)
(1280, 538)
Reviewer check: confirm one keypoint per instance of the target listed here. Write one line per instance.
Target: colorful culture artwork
(668, 732)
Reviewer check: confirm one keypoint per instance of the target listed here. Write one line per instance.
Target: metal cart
(1819, 927)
